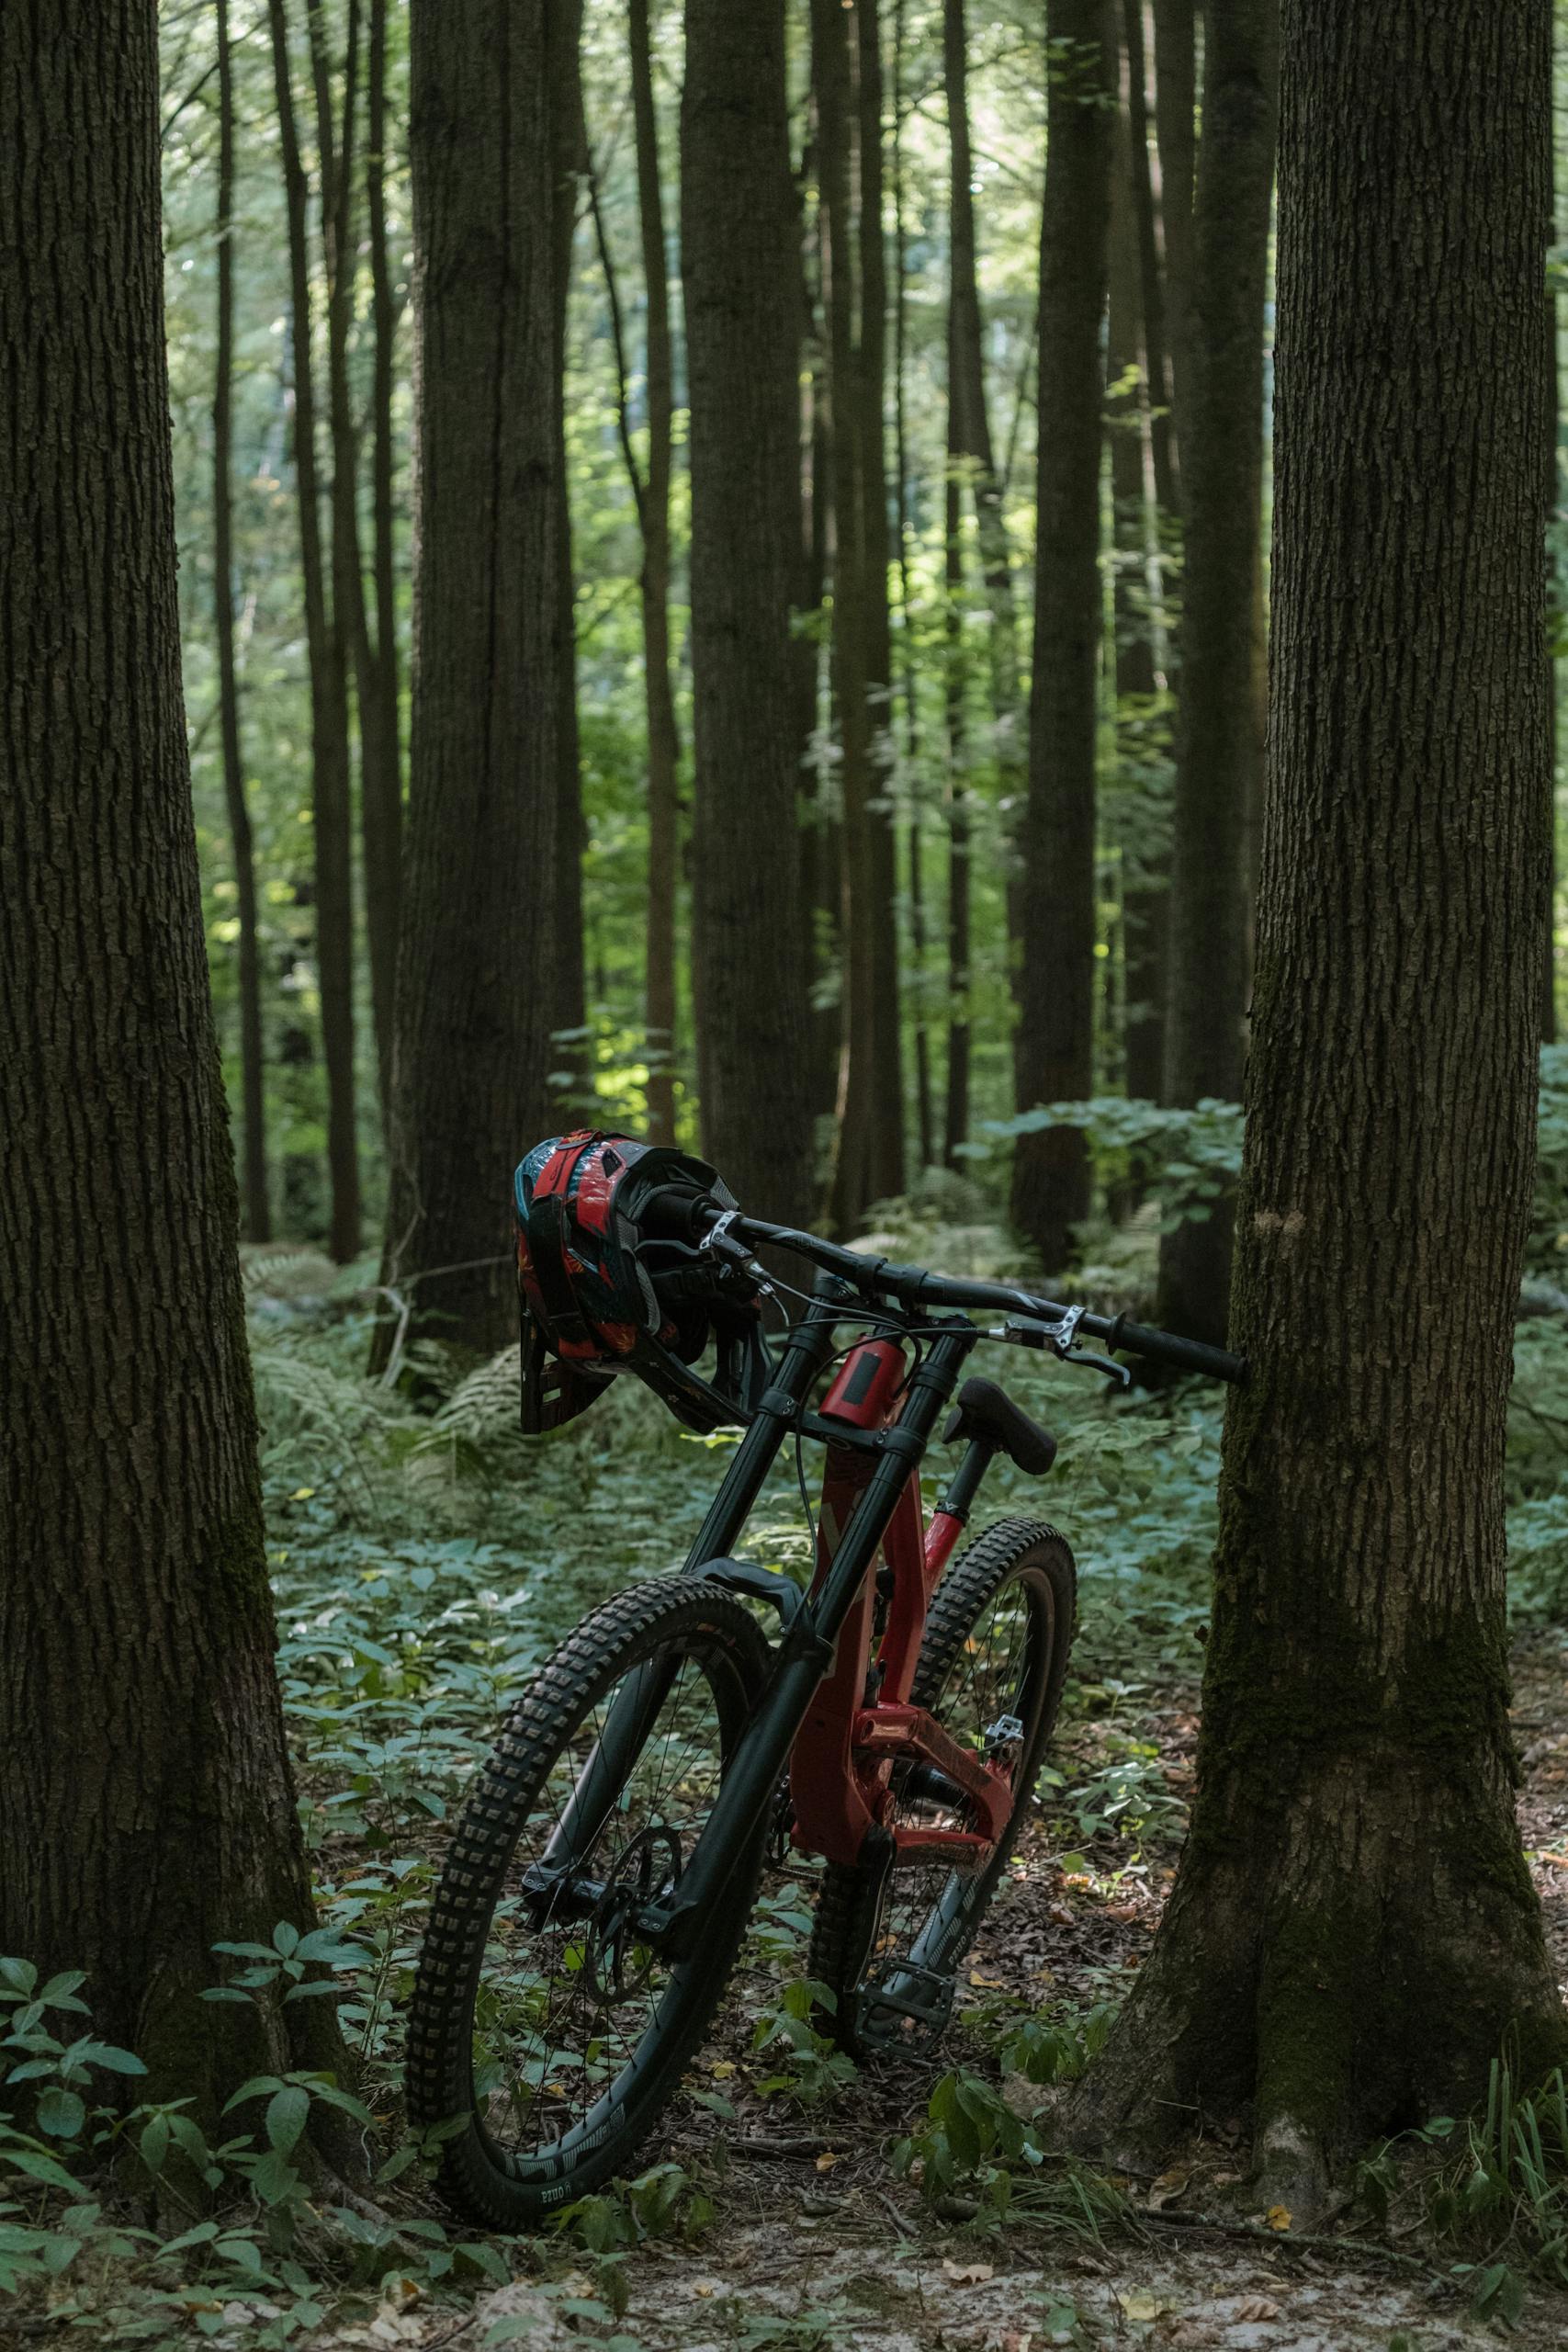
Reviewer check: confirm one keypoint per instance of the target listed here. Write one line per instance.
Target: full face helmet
(601, 1295)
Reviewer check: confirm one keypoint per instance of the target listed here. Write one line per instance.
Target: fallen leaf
(703, 2286)
(722, 2069)
(1257, 2307)
(1143, 2305)
(827, 2160)
(969, 2274)
(1227, 2179)
(1278, 2216)
(301, 1494)
(986, 1984)
(1168, 2188)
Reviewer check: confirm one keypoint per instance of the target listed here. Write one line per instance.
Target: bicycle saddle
(988, 1413)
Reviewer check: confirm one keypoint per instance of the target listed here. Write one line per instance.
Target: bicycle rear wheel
(888, 1938)
(537, 2017)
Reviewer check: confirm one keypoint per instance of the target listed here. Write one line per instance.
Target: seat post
(965, 1481)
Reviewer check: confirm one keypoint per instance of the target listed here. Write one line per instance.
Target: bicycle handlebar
(686, 1217)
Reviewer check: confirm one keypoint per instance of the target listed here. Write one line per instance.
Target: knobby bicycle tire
(660, 1626)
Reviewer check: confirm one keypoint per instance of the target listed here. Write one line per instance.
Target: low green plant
(810, 2068)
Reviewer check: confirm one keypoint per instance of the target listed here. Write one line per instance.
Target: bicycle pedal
(903, 2007)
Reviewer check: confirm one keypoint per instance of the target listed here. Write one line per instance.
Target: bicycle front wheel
(538, 2016)
(888, 1941)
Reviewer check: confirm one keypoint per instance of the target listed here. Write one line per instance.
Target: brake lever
(1027, 1331)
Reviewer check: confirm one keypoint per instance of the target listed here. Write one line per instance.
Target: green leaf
(287, 2113)
(61, 2113)
(256, 2089)
(325, 1944)
(285, 1939)
(39, 2167)
(106, 2055)
(227, 1993)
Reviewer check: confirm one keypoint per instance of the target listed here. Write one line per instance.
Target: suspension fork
(636, 1706)
(804, 1654)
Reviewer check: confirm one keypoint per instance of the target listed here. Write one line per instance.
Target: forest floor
(818, 2243)
(425, 1565)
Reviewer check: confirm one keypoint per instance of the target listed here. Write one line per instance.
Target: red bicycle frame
(860, 1721)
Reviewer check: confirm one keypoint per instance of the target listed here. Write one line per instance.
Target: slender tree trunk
(146, 1805)
(253, 1190)
(886, 1076)
(476, 981)
(1153, 336)
(380, 753)
(955, 1112)
(833, 34)
(563, 34)
(969, 441)
(330, 798)
(1353, 1935)
(1217, 747)
(653, 506)
(1176, 104)
(1054, 1045)
(738, 222)
(924, 1114)
(1145, 894)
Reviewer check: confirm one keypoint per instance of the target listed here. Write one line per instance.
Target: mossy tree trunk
(739, 243)
(146, 1805)
(477, 977)
(1353, 1931)
(1054, 1047)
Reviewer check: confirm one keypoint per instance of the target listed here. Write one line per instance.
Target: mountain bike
(599, 1880)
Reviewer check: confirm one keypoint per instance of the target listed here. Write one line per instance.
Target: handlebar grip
(1184, 1355)
(676, 1212)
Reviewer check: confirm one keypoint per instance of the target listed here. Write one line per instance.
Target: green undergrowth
(424, 1559)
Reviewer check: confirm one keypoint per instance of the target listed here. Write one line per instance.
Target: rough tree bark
(653, 513)
(1218, 753)
(1176, 99)
(1353, 1930)
(146, 1807)
(254, 1186)
(1054, 1047)
(476, 978)
(738, 224)
(331, 798)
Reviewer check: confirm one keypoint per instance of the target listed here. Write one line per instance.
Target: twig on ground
(1289, 2240)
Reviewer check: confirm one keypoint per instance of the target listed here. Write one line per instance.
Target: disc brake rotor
(647, 1869)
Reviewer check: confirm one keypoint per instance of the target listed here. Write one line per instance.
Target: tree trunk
(380, 754)
(1146, 893)
(955, 1108)
(886, 1076)
(1353, 1931)
(1146, 212)
(1175, 100)
(925, 1127)
(331, 797)
(833, 78)
(737, 220)
(146, 1803)
(969, 444)
(253, 1191)
(1217, 746)
(477, 977)
(653, 512)
(1053, 1054)
(563, 37)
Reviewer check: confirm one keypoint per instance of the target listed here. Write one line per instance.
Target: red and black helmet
(601, 1296)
